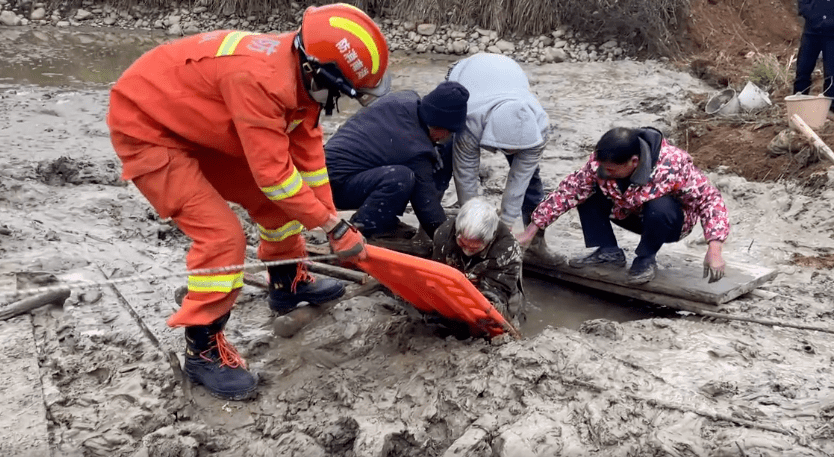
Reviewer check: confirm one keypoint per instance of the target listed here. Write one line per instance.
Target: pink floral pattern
(674, 174)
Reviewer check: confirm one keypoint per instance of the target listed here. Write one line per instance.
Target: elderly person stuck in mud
(477, 243)
(643, 184)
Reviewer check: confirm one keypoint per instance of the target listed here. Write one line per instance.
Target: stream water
(71, 58)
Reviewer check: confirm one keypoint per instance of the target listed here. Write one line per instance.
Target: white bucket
(725, 103)
(812, 110)
(752, 97)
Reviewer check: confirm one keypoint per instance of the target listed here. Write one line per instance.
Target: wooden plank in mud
(679, 282)
(23, 425)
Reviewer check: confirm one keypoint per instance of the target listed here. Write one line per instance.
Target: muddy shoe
(213, 362)
(291, 285)
(602, 256)
(642, 270)
(539, 254)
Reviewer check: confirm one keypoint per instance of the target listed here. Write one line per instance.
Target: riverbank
(369, 379)
(99, 376)
(559, 45)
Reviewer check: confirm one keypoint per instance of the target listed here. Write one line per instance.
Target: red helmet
(344, 36)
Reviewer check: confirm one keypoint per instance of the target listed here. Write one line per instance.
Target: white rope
(11, 295)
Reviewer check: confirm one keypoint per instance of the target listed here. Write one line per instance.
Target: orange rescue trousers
(193, 188)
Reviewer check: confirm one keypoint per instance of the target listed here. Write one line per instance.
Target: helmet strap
(326, 76)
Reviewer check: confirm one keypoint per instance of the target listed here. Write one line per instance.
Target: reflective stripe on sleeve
(315, 178)
(227, 47)
(215, 283)
(281, 233)
(286, 189)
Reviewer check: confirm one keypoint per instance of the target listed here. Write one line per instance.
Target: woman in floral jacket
(640, 182)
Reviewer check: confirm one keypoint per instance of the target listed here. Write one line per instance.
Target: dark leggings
(660, 221)
(810, 47)
(378, 195)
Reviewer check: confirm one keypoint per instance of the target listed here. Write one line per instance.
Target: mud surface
(371, 379)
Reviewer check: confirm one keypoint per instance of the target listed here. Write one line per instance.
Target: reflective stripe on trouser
(193, 189)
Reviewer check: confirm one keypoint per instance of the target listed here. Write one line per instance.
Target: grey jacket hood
(502, 111)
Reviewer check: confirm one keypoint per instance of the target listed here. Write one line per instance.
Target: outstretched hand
(714, 264)
(526, 237)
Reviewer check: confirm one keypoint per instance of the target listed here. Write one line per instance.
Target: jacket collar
(650, 141)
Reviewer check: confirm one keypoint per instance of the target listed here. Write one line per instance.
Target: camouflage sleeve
(500, 278)
(573, 190)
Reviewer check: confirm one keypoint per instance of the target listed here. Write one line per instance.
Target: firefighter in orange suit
(233, 116)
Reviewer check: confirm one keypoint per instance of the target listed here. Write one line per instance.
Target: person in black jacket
(817, 36)
(393, 152)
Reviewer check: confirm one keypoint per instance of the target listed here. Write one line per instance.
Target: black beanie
(445, 106)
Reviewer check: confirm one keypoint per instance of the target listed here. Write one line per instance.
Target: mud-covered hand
(713, 262)
(493, 299)
(347, 242)
(526, 237)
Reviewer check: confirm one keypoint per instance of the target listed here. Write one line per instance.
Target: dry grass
(652, 24)
(649, 23)
(770, 74)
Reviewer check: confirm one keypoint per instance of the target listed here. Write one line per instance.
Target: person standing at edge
(817, 36)
(503, 116)
(387, 155)
(231, 116)
(647, 186)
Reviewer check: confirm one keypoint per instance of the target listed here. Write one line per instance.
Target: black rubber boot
(290, 285)
(213, 362)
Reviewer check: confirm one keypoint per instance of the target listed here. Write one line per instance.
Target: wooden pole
(258, 280)
(32, 303)
(339, 272)
(809, 133)
(290, 323)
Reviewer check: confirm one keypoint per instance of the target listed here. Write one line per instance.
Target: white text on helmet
(352, 58)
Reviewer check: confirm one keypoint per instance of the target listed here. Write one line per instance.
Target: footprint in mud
(64, 170)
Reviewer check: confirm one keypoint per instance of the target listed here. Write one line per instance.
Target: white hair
(477, 220)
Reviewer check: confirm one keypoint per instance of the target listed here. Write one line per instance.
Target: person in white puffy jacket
(503, 116)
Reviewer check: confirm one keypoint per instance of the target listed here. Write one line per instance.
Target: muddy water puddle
(49, 56)
(79, 57)
(556, 304)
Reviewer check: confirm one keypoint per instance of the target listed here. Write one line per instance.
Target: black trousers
(810, 46)
(660, 221)
(378, 195)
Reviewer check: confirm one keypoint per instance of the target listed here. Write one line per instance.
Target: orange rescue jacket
(227, 92)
